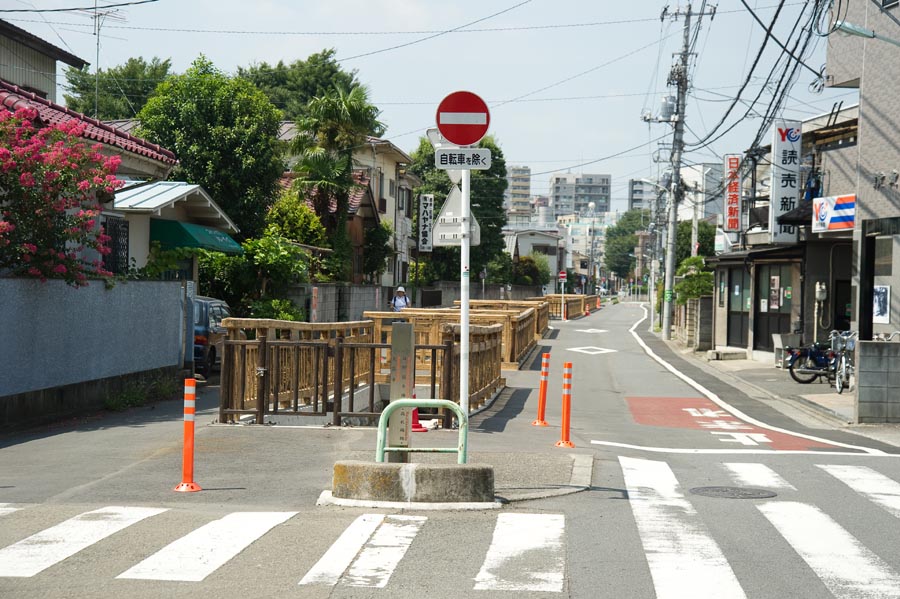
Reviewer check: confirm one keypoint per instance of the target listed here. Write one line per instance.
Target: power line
(74, 9)
(775, 39)
(431, 37)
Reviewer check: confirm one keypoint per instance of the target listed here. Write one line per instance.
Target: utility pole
(678, 77)
(695, 224)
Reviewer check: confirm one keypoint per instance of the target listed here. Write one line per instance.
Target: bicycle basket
(850, 345)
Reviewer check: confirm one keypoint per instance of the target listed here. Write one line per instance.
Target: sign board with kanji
(477, 159)
(733, 184)
(463, 118)
(785, 186)
(426, 221)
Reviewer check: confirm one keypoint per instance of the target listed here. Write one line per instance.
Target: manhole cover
(733, 492)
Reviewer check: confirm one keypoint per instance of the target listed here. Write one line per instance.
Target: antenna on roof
(100, 15)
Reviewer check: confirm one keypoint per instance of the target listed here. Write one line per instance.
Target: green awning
(172, 234)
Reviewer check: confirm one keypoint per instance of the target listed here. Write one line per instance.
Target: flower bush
(51, 183)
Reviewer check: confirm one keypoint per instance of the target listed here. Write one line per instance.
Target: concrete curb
(326, 499)
(413, 482)
(582, 473)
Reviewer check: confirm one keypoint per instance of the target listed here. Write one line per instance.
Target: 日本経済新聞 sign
(732, 221)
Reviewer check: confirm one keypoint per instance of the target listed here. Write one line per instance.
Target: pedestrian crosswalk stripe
(867, 482)
(334, 562)
(757, 475)
(845, 566)
(8, 508)
(382, 553)
(676, 543)
(198, 554)
(48, 547)
(520, 540)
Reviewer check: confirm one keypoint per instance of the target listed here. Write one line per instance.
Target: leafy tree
(223, 131)
(526, 271)
(621, 241)
(706, 237)
(543, 264)
(377, 249)
(121, 91)
(487, 189)
(290, 217)
(697, 281)
(291, 87)
(50, 182)
(500, 269)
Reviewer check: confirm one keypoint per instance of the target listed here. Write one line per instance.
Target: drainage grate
(733, 492)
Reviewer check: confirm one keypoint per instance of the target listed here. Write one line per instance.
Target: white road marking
(743, 438)
(684, 559)
(331, 566)
(592, 351)
(757, 475)
(51, 546)
(380, 556)
(540, 537)
(845, 566)
(731, 409)
(8, 508)
(877, 487)
(198, 554)
(693, 450)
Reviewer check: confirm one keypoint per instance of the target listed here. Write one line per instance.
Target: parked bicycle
(843, 344)
(884, 336)
(808, 363)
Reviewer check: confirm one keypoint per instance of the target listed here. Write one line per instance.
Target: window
(392, 188)
(883, 255)
(117, 260)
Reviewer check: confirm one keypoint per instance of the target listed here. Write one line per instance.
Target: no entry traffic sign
(562, 275)
(463, 118)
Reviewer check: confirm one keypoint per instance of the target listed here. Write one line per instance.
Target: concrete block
(873, 379)
(428, 483)
(893, 382)
(893, 411)
(871, 395)
(872, 364)
(872, 412)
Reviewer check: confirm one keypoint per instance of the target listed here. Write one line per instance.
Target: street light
(856, 30)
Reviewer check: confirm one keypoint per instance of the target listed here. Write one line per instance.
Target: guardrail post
(461, 449)
(338, 379)
(447, 381)
(262, 376)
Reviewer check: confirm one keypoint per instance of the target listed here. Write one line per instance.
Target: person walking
(399, 301)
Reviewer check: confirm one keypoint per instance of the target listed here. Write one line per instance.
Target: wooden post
(338, 379)
(262, 376)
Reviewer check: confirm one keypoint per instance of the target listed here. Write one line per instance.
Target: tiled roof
(12, 98)
(357, 194)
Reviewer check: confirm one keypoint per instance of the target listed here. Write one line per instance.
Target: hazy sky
(567, 80)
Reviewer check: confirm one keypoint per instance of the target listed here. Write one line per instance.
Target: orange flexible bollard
(566, 406)
(187, 457)
(542, 391)
(598, 303)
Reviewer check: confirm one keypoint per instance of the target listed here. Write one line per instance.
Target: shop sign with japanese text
(733, 186)
(785, 182)
(426, 221)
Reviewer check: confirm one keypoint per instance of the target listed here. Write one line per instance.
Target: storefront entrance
(738, 307)
(774, 297)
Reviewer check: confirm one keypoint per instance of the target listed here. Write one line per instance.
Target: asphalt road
(796, 510)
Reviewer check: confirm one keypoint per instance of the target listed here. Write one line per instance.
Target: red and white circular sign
(562, 275)
(463, 118)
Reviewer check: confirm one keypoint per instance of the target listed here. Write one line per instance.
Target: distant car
(209, 334)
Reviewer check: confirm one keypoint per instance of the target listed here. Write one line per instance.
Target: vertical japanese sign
(426, 221)
(785, 185)
(733, 186)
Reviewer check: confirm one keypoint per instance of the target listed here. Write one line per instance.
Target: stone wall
(878, 378)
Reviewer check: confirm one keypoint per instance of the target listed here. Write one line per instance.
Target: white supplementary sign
(447, 230)
(785, 183)
(476, 159)
(426, 221)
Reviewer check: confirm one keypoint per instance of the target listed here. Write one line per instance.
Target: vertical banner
(426, 221)
(733, 184)
(785, 183)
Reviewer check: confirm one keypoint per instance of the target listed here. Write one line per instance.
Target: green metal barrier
(462, 446)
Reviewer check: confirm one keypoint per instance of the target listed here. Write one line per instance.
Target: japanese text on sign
(785, 178)
(426, 221)
(733, 186)
(463, 158)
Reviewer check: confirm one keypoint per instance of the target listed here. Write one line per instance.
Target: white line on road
(198, 554)
(537, 536)
(51, 546)
(867, 482)
(331, 566)
(684, 559)
(845, 566)
(380, 556)
(8, 508)
(757, 475)
(725, 406)
(693, 450)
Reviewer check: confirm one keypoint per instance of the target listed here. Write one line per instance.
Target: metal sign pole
(464, 296)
